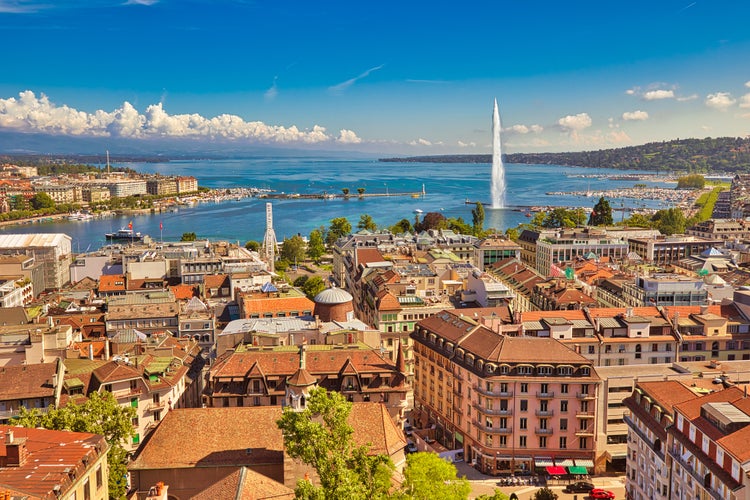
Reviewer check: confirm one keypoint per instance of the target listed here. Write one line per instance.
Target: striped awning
(564, 462)
(543, 462)
(585, 463)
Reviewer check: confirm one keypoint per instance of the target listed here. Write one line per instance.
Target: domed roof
(333, 295)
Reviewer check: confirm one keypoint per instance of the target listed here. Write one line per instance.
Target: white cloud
(524, 129)
(341, 87)
(575, 122)
(635, 115)
(29, 113)
(348, 137)
(420, 142)
(273, 90)
(467, 144)
(747, 84)
(685, 98)
(720, 100)
(745, 101)
(630, 92)
(141, 2)
(653, 95)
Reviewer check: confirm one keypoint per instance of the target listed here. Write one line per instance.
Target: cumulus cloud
(635, 115)
(747, 84)
(745, 101)
(573, 123)
(720, 100)
(630, 92)
(653, 95)
(420, 142)
(29, 113)
(463, 144)
(341, 87)
(685, 98)
(524, 129)
(348, 137)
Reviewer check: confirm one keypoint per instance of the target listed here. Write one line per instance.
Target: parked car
(600, 493)
(411, 448)
(579, 487)
(408, 429)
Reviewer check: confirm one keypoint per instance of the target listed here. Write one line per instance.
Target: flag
(161, 225)
(130, 225)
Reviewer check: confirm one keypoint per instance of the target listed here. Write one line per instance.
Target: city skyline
(414, 79)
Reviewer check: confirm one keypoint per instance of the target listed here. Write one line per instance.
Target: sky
(386, 77)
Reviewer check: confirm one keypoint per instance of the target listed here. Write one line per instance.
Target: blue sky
(405, 77)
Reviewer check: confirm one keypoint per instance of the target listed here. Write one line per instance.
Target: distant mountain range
(721, 154)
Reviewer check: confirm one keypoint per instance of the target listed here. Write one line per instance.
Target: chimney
(91, 351)
(302, 361)
(106, 349)
(15, 450)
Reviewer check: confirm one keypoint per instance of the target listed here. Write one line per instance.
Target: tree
(402, 226)
(459, 226)
(497, 495)
(301, 280)
(545, 494)
(431, 220)
(188, 237)
(100, 414)
(428, 476)
(512, 233)
(315, 245)
(693, 181)
(293, 249)
(562, 217)
(366, 222)
(340, 227)
(602, 214)
(41, 200)
(313, 286)
(670, 221)
(253, 245)
(321, 436)
(477, 218)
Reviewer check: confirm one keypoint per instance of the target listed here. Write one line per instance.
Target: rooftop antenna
(269, 240)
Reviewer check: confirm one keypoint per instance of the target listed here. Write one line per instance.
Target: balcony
(494, 393)
(544, 413)
(584, 432)
(584, 395)
(544, 432)
(697, 478)
(127, 393)
(492, 430)
(457, 409)
(585, 414)
(545, 395)
(492, 411)
(6, 414)
(156, 406)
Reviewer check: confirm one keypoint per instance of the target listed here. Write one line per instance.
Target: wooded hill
(721, 154)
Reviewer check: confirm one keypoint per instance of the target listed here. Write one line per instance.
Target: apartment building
(662, 250)
(509, 404)
(494, 248)
(665, 289)
(52, 251)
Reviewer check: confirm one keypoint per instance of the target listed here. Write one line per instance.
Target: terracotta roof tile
(184, 292)
(247, 484)
(112, 283)
(27, 381)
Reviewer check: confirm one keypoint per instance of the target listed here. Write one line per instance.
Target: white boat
(417, 211)
(80, 216)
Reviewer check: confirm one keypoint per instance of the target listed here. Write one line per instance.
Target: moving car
(579, 487)
(600, 493)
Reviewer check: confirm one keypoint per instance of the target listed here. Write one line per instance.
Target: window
(99, 477)
(134, 402)
(563, 442)
(524, 387)
(564, 406)
(543, 441)
(524, 404)
(583, 443)
(563, 424)
(86, 489)
(563, 388)
(522, 441)
(523, 423)
(591, 349)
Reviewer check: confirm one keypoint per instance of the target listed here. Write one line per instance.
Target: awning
(556, 471)
(543, 462)
(584, 463)
(578, 470)
(564, 462)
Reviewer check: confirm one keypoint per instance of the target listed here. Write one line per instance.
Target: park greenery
(321, 436)
(692, 181)
(100, 414)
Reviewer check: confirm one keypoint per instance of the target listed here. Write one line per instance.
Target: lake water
(447, 186)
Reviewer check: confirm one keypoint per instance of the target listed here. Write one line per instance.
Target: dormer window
(504, 369)
(585, 371)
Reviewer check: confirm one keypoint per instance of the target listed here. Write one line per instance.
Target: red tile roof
(112, 283)
(367, 255)
(247, 484)
(27, 381)
(184, 292)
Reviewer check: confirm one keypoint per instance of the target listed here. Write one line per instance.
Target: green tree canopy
(477, 218)
(100, 414)
(563, 217)
(321, 437)
(366, 222)
(315, 245)
(41, 200)
(313, 286)
(459, 226)
(693, 181)
(427, 476)
(293, 249)
(340, 226)
(670, 221)
(188, 237)
(252, 245)
(545, 494)
(402, 226)
(602, 214)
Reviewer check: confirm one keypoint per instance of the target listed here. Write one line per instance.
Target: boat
(417, 211)
(124, 234)
(80, 216)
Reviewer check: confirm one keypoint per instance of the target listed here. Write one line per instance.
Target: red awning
(556, 471)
